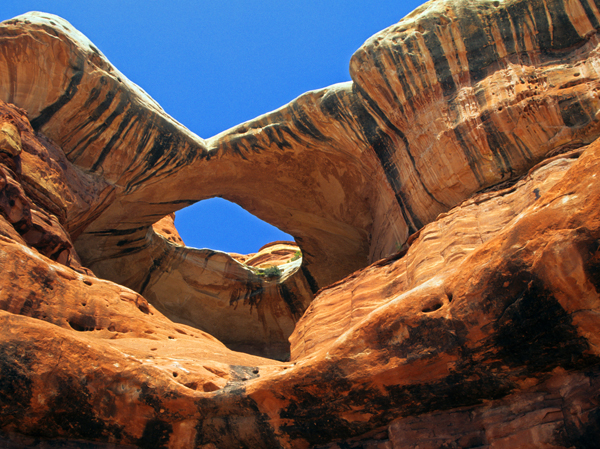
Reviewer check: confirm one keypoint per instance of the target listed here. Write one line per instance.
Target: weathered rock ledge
(468, 141)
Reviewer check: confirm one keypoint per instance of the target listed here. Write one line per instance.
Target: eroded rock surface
(166, 228)
(467, 141)
(241, 305)
(503, 331)
(44, 196)
(273, 254)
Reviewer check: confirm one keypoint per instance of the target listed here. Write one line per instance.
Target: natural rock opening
(221, 225)
(250, 302)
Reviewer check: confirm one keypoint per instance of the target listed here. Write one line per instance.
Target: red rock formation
(37, 189)
(166, 228)
(473, 122)
(41, 192)
(274, 254)
(465, 96)
(506, 317)
(504, 334)
(441, 246)
(236, 303)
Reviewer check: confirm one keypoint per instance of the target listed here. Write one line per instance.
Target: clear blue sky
(215, 64)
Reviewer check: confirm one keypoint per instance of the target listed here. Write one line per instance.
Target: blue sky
(215, 64)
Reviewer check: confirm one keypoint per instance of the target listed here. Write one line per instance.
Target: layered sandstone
(243, 306)
(274, 254)
(502, 330)
(44, 196)
(78, 99)
(439, 247)
(467, 140)
(469, 93)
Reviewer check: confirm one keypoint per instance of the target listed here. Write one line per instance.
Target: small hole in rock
(432, 307)
(210, 386)
(450, 297)
(175, 374)
(80, 327)
(76, 327)
(87, 282)
(153, 349)
(171, 338)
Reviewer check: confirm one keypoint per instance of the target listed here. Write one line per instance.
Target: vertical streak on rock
(549, 20)
(122, 107)
(48, 112)
(578, 16)
(384, 154)
(592, 11)
(450, 47)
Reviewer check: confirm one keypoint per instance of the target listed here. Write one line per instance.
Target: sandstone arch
(494, 322)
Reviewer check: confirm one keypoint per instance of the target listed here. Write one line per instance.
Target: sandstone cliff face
(236, 303)
(43, 196)
(469, 93)
(467, 139)
(503, 330)
(116, 135)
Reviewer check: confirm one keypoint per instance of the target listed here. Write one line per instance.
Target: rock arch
(457, 97)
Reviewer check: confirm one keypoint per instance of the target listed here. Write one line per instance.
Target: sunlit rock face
(121, 140)
(464, 94)
(165, 227)
(446, 204)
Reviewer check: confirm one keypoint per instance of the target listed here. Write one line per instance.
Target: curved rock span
(449, 233)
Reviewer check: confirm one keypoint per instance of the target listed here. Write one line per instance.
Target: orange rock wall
(504, 335)
(465, 94)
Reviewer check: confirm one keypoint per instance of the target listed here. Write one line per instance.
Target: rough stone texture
(42, 196)
(440, 247)
(241, 306)
(78, 99)
(505, 335)
(470, 92)
(236, 303)
(166, 228)
(470, 126)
